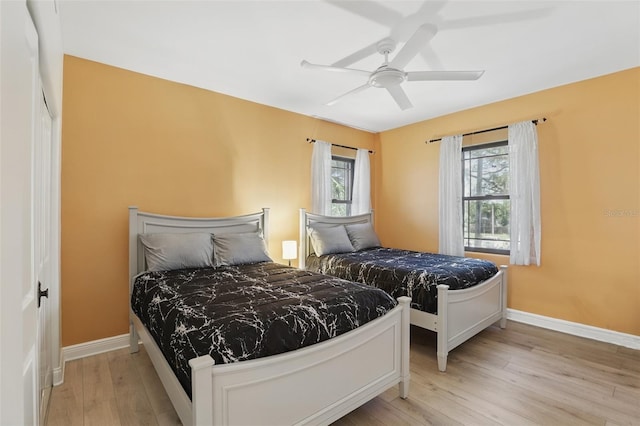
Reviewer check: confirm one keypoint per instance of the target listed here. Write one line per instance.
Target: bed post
(202, 390)
(503, 289)
(443, 335)
(264, 224)
(302, 235)
(133, 270)
(405, 302)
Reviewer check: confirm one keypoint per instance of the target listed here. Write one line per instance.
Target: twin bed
(238, 339)
(456, 297)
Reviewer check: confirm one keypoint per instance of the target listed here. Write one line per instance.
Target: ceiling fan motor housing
(387, 77)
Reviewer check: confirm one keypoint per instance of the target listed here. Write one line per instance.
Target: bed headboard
(316, 220)
(147, 223)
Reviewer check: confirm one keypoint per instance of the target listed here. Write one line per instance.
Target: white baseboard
(82, 350)
(95, 347)
(576, 329)
(58, 375)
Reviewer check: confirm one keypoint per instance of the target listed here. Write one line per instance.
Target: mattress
(405, 273)
(243, 312)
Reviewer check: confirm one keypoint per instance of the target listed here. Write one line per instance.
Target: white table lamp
(289, 250)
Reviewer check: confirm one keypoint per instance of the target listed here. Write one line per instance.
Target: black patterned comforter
(405, 273)
(236, 313)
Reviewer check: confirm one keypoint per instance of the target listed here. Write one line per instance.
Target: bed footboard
(315, 385)
(464, 313)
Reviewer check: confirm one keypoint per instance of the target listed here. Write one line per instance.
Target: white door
(30, 290)
(20, 92)
(42, 247)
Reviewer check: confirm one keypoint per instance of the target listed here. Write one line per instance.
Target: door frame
(42, 163)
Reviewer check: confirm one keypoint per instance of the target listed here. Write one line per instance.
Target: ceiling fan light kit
(390, 75)
(385, 77)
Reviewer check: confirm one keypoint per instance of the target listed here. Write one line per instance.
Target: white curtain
(321, 178)
(361, 200)
(524, 192)
(450, 196)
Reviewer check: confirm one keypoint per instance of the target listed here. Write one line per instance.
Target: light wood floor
(522, 375)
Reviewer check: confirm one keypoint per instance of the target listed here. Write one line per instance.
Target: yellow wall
(130, 139)
(590, 196)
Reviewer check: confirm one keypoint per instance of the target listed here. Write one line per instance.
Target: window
(485, 198)
(341, 185)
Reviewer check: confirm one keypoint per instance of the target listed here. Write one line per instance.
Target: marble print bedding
(405, 273)
(236, 313)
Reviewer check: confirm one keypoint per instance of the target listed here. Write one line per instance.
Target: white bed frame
(314, 385)
(461, 313)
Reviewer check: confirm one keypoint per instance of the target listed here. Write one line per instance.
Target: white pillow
(165, 252)
(239, 248)
(362, 236)
(330, 239)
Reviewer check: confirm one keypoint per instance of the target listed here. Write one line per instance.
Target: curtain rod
(543, 119)
(341, 146)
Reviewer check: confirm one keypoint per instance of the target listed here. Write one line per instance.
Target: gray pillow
(362, 236)
(239, 248)
(330, 239)
(164, 252)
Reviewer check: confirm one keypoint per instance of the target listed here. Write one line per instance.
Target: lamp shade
(289, 250)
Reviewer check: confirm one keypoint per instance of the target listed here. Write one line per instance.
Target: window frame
(504, 142)
(348, 185)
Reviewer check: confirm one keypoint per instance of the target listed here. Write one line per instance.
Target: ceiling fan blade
(497, 19)
(370, 10)
(412, 47)
(350, 92)
(443, 75)
(400, 97)
(427, 12)
(309, 65)
(363, 53)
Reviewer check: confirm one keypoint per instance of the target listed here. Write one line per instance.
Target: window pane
(486, 175)
(341, 178)
(341, 185)
(339, 209)
(486, 224)
(470, 152)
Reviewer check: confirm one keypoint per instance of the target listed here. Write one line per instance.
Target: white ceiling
(253, 49)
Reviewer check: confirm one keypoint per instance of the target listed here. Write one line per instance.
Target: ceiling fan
(390, 75)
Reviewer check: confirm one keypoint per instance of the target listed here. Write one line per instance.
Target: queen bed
(238, 339)
(457, 297)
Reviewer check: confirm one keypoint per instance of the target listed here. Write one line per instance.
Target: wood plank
(131, 396)
(102, 413)
(67, 406)
(500, 404)
(376, 412)
(169, 418)
(569, 368)
(630, 398)
(160, 402)
(533, 402)
(96, 381)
